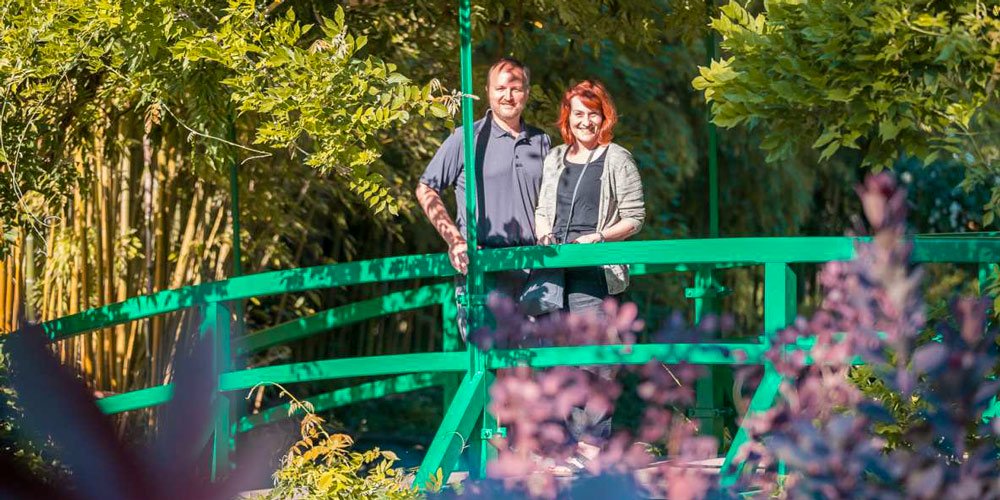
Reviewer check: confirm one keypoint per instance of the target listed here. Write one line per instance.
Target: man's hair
(510, 62)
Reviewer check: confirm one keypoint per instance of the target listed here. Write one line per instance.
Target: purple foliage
(536, 405)
(822, 428)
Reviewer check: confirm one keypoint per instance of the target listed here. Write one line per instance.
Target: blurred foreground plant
(823, 428)
(542, 410)
(57, 406)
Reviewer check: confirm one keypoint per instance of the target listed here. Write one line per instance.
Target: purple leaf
(57, 404)
(930, 358)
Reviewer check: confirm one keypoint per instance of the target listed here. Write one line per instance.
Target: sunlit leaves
(323, 465)
(67, 65)
(890, 78)
(314, 98)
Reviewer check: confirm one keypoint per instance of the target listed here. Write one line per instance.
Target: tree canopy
(889, 78)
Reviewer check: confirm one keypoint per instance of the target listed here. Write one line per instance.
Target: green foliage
(69, 68)
(889, 78)
(321, 465)
(310, 89)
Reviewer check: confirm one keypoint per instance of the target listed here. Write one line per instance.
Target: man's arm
(437, 214)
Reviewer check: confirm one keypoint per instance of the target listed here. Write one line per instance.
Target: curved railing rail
(679, 253)
(414, 371)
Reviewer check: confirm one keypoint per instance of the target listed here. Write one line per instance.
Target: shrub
(321, 465)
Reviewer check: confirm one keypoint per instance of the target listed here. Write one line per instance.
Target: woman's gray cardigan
(621, 199)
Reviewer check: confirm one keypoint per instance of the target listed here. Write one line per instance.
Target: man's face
(507, 92)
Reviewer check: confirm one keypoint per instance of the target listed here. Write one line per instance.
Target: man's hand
(430, 201)
(590, 238)
(457, 254)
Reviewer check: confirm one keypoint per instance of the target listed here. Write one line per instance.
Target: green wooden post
(986, 272)
(710, 388)
(475, 278)
(215, 322)
(713, 141)
(451, 341)
(469, 401)
(779, 311)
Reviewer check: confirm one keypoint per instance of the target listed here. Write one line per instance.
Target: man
(509, 154)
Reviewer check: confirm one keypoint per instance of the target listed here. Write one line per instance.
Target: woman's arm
(619, 231)
(628, 192)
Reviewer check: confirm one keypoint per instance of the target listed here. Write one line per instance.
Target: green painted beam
(704, 353)
(343, 368)
(763, 399)
(340, 316)
(454, 433)
(135, 400)
(709, 353)
(927, 249)
(745, 251)
(254, 285)
(346, 396)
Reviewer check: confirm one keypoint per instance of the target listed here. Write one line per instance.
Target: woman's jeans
(586, 289)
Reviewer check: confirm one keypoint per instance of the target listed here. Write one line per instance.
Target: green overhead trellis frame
(467, 373)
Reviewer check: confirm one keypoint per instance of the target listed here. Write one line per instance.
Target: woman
(590, 193)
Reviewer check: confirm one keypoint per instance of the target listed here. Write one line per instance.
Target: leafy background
(120, 120)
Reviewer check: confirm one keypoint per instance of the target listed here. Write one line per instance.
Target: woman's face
(584, 123)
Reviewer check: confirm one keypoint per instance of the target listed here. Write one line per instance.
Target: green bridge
(468, 371)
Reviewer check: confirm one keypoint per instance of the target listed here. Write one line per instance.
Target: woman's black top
(588, 199)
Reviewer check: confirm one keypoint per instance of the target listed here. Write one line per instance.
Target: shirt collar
(498, 131)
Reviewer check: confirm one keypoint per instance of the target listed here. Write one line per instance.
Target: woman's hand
(590, 238)
(548, 239)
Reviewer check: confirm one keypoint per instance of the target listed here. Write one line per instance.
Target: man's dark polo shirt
(510, 176)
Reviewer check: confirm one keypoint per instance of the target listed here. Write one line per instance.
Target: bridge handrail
(707, 252)
(701, 256)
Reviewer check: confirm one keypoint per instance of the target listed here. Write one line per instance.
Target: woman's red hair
(594, 96)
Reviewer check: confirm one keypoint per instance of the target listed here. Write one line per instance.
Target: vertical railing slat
(215, 323)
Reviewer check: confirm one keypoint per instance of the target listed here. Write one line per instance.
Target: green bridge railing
(467, 372)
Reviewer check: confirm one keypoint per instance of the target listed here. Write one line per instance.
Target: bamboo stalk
(126, 333)
(163, 214)
(148, 192)
(44, 313)
(93, 280)
(220, 215)
(16, 296)
(107, 256)
(98, 198)
(187, 240)
(4, 290)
